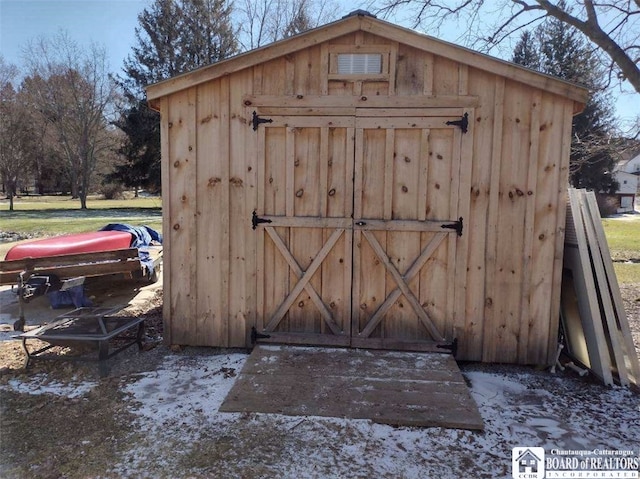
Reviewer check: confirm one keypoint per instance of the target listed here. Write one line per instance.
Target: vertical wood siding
(508, 260)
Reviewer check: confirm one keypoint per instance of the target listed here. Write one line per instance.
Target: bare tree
(266, 21)
(613, 26)
(14, 133)
(74, 93)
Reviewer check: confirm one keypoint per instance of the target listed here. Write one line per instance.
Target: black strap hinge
(256, 220)
(453, 347)
(256, 120)
(455, 226)
(463, 123)
(255, 335)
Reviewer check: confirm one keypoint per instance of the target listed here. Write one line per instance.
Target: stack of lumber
(595, 326)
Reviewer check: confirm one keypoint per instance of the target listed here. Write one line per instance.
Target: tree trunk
(11, 192)
(83, 200)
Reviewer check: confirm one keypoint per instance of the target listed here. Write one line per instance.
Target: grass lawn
(623, 238)
(54, 215)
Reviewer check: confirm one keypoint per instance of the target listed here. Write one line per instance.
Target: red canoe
(92, 242)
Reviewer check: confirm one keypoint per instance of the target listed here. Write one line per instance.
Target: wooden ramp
(390, 387)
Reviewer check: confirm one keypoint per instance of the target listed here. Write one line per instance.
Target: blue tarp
(71, 297)
(142, 236)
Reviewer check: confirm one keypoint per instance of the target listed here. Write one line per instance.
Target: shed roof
(361, 21)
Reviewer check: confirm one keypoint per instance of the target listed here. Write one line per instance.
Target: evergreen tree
(300, 20)
(564, 53)
(173, 37)
(527, 51)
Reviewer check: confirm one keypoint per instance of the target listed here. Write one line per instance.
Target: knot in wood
(332, 192)
(404, 189)
(176, 163)
(235, 181)
(299, 193)
(176, 226)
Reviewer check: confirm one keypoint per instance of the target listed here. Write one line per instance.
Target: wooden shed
(364, 185)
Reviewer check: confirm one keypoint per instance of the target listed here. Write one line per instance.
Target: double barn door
(357, 224)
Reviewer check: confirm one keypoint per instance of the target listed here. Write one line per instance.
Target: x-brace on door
(358, 226)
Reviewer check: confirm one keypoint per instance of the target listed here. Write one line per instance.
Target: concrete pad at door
(390, 387)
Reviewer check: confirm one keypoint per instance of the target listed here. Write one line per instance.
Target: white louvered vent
(359, 63)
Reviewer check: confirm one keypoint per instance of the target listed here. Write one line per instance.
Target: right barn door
(407, 226)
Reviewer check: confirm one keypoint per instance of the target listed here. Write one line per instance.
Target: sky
(112, 23)
(109, 23)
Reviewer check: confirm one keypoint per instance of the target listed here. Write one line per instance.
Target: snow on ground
(179, 433)
(42, 384)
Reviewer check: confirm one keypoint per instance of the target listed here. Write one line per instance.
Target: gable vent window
(359, 63)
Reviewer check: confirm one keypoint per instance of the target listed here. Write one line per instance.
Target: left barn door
(303, 221)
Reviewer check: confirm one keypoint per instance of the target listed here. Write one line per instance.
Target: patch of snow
(41, 384)
(184, 434)
(184, 390)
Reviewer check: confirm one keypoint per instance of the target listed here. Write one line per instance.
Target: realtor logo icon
(527, 462)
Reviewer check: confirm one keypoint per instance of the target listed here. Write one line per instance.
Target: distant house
(632, 165)
(627, 174)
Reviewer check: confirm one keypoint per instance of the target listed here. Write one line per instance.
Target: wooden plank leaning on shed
(617, 322)
(603, 327)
